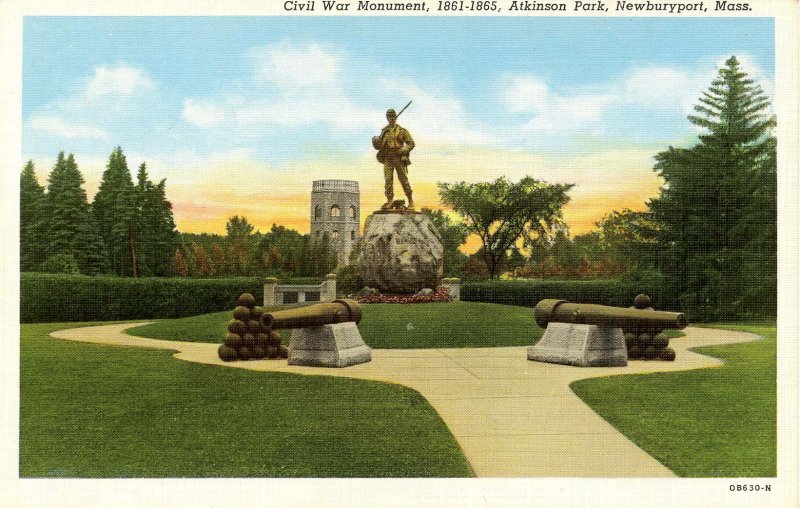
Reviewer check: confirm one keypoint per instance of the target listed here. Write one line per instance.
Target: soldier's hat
(390, 112)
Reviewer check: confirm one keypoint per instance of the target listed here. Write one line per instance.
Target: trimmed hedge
(527, 293)
(60, 298)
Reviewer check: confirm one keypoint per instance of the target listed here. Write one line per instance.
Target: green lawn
(104, 411)
(702, 423)
(392, 326)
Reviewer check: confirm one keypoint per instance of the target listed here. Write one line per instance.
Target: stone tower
(336, 212)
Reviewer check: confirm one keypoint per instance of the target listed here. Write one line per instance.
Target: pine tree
(144, 223)
(93, 257)
(66, 206)
(713, 195)
(32, 225)
(164, 236)
(114, 208)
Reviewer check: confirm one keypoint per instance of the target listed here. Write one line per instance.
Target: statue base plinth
(337, 345)
(401, 252)
(581, 345)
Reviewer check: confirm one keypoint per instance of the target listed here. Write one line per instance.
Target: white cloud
(663, 87)
(202, 113)
(554, 113)
(289, 66)
(118, 80)
(57, 126)
(334, 110)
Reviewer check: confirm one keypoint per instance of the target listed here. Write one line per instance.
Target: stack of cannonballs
(247, 338)
(647, 343)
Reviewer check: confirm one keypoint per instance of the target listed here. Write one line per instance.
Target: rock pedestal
(401, 253)
(337, 345)
(581, 346)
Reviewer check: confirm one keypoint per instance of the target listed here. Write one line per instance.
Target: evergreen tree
(114, 208)
(717, 210)
(153, 226)
(32, 220)
(164, 235)
(93, 258)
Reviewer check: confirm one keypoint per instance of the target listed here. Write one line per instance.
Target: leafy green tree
(453, 234)
(32, 220)
(502, 212)
(717, 209)
(239, 228)
(629, 239)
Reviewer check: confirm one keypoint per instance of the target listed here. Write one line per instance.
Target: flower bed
(441, 295)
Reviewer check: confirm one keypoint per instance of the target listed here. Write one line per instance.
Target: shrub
(59, 297)
(60, 263)
(527, 293)
(348, 280)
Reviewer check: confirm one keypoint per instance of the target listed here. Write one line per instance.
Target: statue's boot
(386, 205)
(410, 202)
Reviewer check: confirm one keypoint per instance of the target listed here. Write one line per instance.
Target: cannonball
(642, 301)
(645, 339)
(634, 352)
(233, 340)
(275, 338)
(248, 339)
(253, 326)
(241, 313)
(256, 313)
(245, 353)
(258, 352)
(247, 300)
(660, 341)
(262, 340)
(237, 327)
(667, 354)
(284, 352)
(649, 353)
(630, 336)
(272, 352)
(227, 353)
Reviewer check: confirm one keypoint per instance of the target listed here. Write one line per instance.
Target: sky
(241, 114)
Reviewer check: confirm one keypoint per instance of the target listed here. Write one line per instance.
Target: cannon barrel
(561, 311)
(337, 311)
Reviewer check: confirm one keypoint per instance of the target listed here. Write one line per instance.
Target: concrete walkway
(511, 416)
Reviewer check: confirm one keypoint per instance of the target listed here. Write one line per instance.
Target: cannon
(590, 335)
(561, 311)
(337, 311)
(323, 334)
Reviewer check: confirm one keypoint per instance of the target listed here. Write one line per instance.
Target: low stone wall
(279, 294)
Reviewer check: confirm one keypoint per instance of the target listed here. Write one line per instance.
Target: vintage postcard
(366, 253)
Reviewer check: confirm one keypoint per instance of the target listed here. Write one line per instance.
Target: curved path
(511, 416)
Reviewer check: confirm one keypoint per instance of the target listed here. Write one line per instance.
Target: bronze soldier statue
(394, 145)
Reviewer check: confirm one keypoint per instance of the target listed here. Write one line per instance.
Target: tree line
(128, 228)
(280, 252)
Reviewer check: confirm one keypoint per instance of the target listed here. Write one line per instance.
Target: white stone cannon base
(581, 346)
(338, 345)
